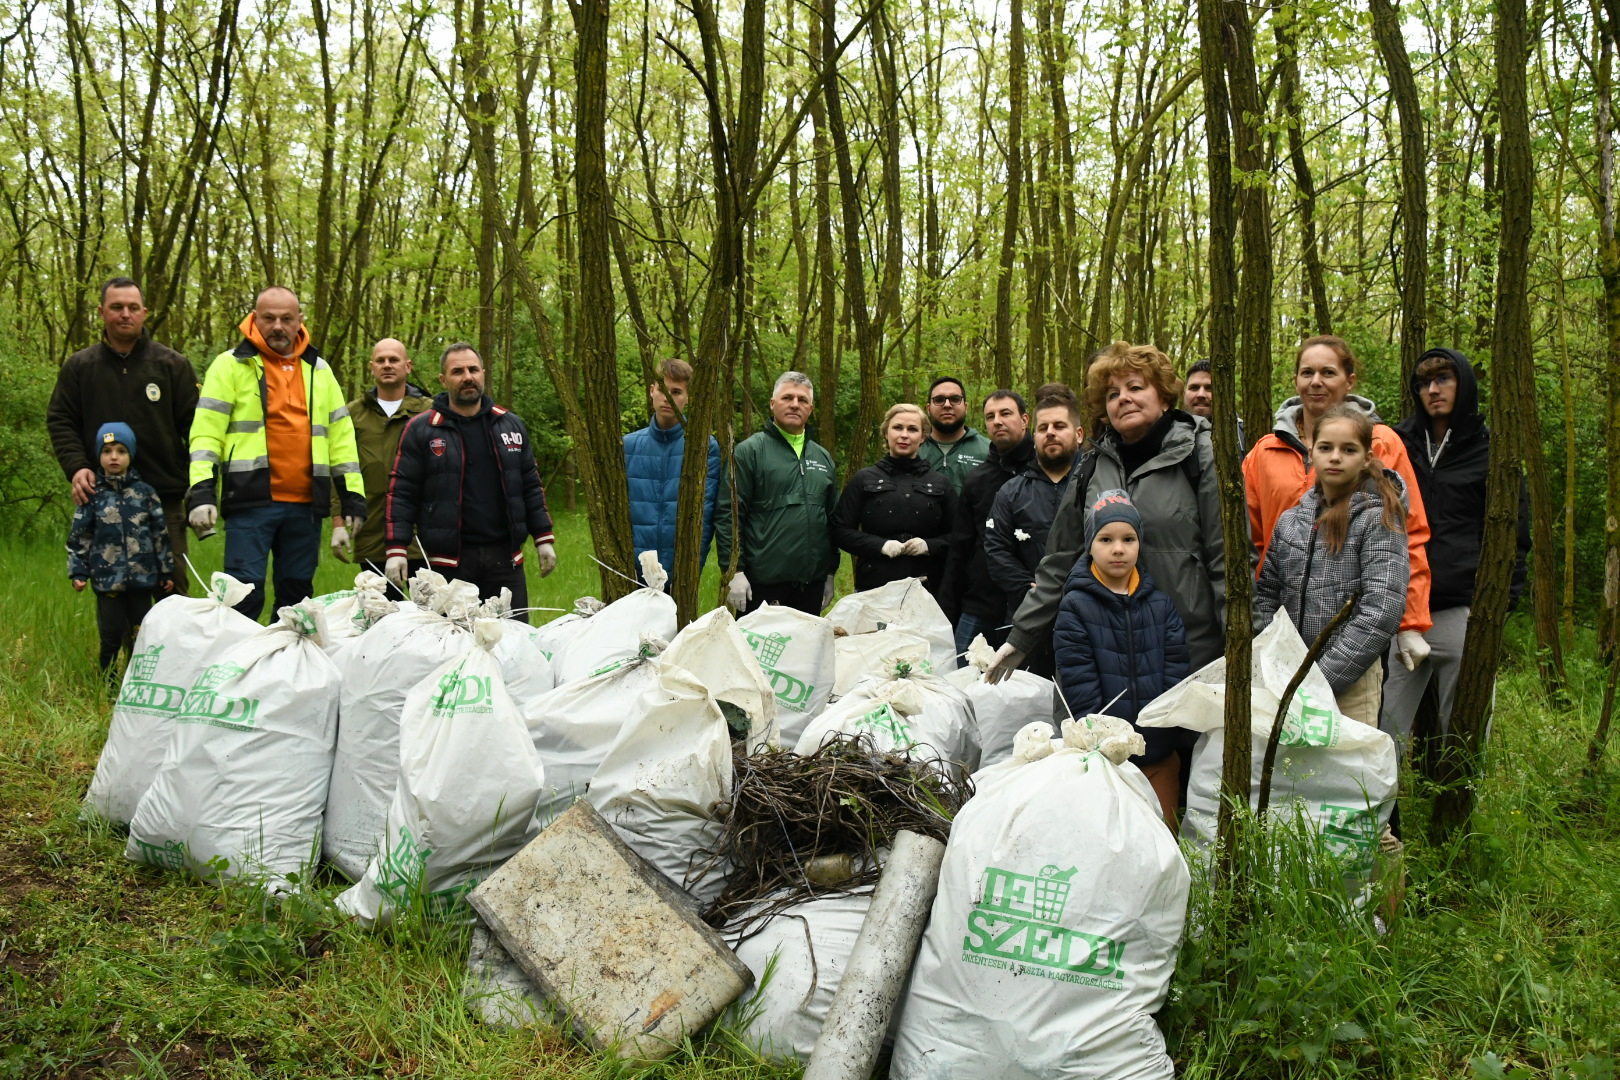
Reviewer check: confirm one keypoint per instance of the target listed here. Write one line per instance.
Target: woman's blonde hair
(1123, 358)
(1333, 522)
(895, 410)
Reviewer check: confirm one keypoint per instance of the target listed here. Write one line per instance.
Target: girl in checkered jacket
(1346, 537)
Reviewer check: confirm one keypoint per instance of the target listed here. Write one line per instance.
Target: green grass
(1502, 964)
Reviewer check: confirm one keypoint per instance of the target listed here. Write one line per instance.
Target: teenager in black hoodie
(1450, 449)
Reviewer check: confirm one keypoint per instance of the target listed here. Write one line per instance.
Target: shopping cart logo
(1015, 926)
(1350, 833)
(206, 705)
(884, 721)
(791, 693)
(768, 647)
(142, 693)
(401, 869)
(169, 856)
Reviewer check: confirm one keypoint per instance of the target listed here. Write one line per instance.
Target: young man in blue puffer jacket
(652, 467)
(118, 544)
(1117, 636)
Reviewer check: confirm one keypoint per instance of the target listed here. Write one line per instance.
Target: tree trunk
(1252, 151)
(826, 271)
(1228, 465)
(1014, 194)
(1414, 192)
(1609, 262)
(1482, 648)
(1287, 31)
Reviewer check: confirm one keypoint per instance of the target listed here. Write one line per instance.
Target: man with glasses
(952, 447)
(1450, 447)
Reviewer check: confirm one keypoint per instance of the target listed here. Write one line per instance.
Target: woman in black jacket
(895, 517)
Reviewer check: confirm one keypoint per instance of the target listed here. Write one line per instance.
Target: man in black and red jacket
(465, 486)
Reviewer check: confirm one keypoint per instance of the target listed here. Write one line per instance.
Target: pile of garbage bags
(417, 744)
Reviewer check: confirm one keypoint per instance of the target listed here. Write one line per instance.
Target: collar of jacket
(1083, 577)
(913, 464)
(771, 428)
(665, 435)
(1178, 442)
(947, 447)
(1018, 456)
(136, 351)
(411, 391)
(1034, 471)
(246, 351)
(1285, 424)
(118, 483)
(443, 413)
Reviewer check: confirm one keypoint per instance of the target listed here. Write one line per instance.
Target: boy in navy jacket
(118, 544)
(1118, 637)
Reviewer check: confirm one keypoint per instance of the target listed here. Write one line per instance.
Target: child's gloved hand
(78, 584)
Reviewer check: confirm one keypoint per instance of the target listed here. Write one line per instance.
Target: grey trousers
(1403, 689)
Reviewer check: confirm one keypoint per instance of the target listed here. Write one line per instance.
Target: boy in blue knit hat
(118, 544)
(1119, 642)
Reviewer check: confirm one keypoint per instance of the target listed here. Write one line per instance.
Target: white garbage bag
(909, 712)
(612, 634)
(1049, 949)
(900, 605)
(795, 649)
(549, 637)
(379, 670)
(666, 779)
(1001, 710)
(856, 656)
(575, 725)
(179, 637)
(798, 959)
(1339, 773)
(469, 781)
(351, 612)
(241, 790)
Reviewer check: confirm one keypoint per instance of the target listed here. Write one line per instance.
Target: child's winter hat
(115, 432)
(1112, 505)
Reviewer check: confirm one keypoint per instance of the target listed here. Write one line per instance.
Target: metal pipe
(858, 1018)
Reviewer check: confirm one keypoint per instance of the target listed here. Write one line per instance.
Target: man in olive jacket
(784, 488)
(379, 415)
(127, 378)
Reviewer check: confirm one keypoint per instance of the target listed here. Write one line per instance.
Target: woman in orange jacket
(1278, 471)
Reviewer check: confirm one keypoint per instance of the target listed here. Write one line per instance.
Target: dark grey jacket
(1019, 524)
(1182, 545)
(1301, 577)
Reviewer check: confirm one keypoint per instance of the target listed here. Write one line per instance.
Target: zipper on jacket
(1130, 645)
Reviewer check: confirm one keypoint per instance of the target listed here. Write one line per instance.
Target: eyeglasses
(947, 399)
(1439, 378)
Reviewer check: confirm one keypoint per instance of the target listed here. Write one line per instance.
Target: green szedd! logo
(790, 693)
(463, 694)
(170, 856)
(1350, 833)
(206, 705)
(882, 720)
(142, 692)
(1308, 725)
(1014, 926)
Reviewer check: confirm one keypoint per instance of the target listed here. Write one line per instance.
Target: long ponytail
(1333, 522)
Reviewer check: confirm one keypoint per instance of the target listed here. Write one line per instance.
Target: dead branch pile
(802, 827)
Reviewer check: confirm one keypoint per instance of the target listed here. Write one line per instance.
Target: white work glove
(342, 546)
(915, 546)
(827, 591)
(1006, 662)
(202, 518)
(740, 592)
(547, 557)
(395, 570)
(892, 548)
(1412, 648)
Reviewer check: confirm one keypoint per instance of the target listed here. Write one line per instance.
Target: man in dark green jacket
(783, 485)
(952, 448)
(379, 415)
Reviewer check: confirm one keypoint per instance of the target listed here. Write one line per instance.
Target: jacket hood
(1182, 433)
(1286, 420)
(1465, 414)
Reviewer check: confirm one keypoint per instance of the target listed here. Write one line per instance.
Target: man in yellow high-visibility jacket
(271, 435)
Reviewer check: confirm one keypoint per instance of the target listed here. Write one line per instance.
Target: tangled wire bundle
(845, 801)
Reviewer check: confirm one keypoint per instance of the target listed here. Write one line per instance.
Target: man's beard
(470, 392)
(949, 429)
(1059, 456)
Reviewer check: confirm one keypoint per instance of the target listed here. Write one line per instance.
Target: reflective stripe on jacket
(227, 436)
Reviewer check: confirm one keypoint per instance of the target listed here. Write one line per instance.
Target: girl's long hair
(1333, 522)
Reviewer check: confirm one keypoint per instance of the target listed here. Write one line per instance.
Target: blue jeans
(289, 531)
(971, 626)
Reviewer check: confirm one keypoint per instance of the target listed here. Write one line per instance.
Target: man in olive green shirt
(951, 447)
(379, 415)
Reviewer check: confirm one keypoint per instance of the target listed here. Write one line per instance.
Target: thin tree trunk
(1287, 30)
(826, 271)
(1609, 262)
(1414, 192)
(1252, 151)
(1228, 467)
(1014, 194)
(1482, 648)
